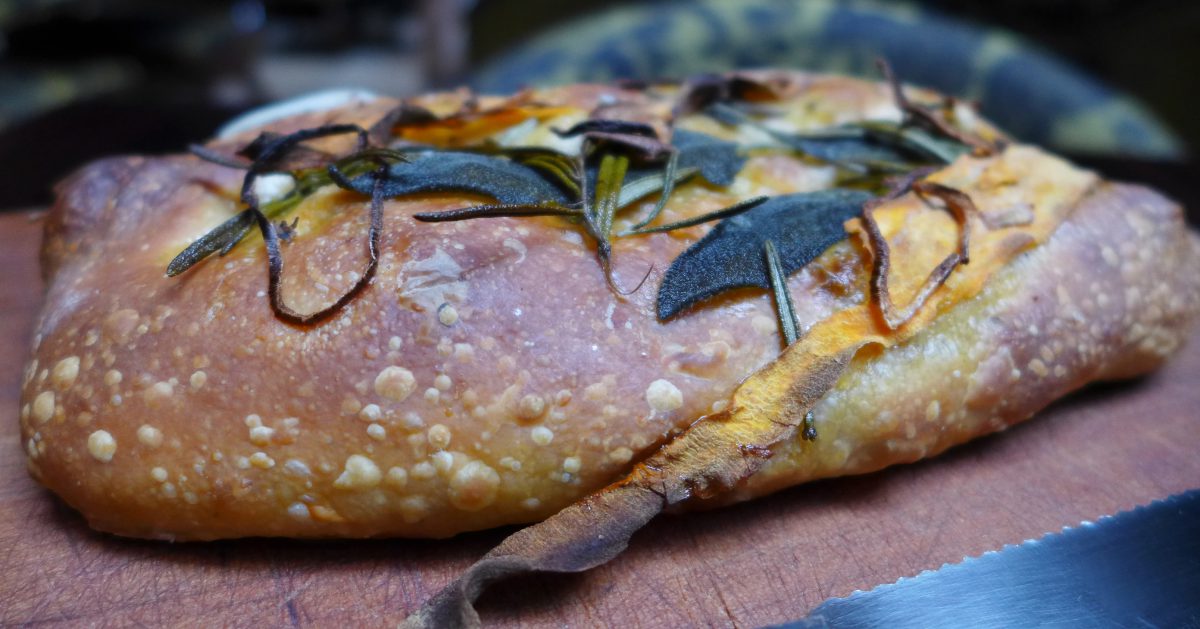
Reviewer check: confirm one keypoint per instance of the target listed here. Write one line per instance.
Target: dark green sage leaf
(802, 226)
(506, 181)
(719, 161)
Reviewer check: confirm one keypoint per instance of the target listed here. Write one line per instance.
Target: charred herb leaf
(635, 135)
(730, 256)
(705, 90)
(919, 116)
(506, 181)
(605, 125)
(400, 116)
(271, 239)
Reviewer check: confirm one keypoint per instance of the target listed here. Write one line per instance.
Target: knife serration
(1137, 568)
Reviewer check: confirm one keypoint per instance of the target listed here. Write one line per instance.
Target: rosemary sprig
(784, 307)
(224, 237)
(670, 173)
(598, 211)
(493, 211)
(619, 163)
(733, 210)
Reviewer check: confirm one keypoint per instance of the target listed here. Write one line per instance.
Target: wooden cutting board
(1106, 449)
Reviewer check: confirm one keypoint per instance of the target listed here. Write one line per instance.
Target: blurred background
(1111, 83)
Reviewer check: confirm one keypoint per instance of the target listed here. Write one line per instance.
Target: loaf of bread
(489, 371)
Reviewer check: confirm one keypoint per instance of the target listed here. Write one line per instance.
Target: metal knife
(1138, 568)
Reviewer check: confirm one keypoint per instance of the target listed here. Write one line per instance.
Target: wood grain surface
(1102, 450)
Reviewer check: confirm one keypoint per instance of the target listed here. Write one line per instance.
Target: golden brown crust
(1111, 295)
(487, 376)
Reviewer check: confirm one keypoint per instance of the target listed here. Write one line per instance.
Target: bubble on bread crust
(299, 511)
(359, 473)
(442, 382)
(447, 314)
(149, 436)
(101, 446)
(377, 432)
(198, 379)
(261, 461)
(474, 486)
(541, 435)
(464, 352)
(120, 324)
(271, 186)
(933, 411)
(322, 513)
(531, 503)
(370, 413)
(621, 455)
(261, 435)
(412, 420)
(439, 436)
(663, 396)
(112, 377)
(297, 468)
(572, 465)
(157, 393)
(531, 407)
(1038, 367)
(442, 461)
(64, 373)
(43, 406)
(159, 474)
(597, 391)
(413, 509)
(395, 383)
(396, 478)
(424, 471)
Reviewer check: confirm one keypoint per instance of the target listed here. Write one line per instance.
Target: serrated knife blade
(1138, 568)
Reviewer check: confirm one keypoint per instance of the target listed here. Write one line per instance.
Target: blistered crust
(487, 376)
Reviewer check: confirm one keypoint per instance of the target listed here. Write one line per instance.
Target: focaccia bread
(489, 371)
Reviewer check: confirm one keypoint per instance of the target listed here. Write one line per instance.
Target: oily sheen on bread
(491, 372)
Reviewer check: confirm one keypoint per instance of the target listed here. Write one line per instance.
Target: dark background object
(1147, 48)
(84, 79)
